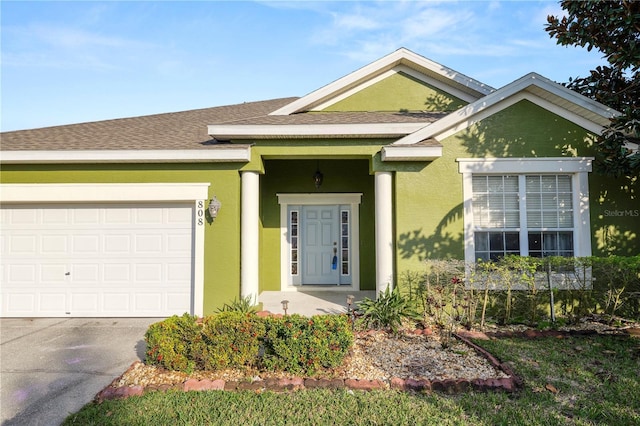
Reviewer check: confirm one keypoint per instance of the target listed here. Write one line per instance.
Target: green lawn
(576, 380)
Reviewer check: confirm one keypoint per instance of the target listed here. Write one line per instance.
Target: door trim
(352, 199)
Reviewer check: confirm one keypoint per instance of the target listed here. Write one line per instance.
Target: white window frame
(578, 168)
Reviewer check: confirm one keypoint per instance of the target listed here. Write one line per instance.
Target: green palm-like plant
(387, 311)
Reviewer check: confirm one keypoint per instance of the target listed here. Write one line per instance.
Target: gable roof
(203, 134)
(554, 97)
(403, 60)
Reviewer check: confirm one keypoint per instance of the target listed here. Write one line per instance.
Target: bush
(387, 311)
(169, 343)
(302, 345)
(228, 339)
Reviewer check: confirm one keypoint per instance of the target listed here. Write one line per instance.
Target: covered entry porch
(309, 303)
(301, 237)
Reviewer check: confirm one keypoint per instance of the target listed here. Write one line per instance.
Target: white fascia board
(525, 165)
(571, 95)
(411, 153)
(240, 154)
(381, 65)
(406, 70)
(505, 97)
(263, 131)
(102, 192)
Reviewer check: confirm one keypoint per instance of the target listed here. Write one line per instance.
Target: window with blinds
(529, 215)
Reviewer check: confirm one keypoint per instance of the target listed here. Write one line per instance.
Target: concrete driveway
(51, 367)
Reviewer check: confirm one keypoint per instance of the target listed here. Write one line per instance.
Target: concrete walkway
(310, 303)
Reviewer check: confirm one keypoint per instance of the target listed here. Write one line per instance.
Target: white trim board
(123, 192)
(236, 154)
(267, 131)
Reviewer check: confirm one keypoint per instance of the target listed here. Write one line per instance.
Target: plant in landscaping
(387, 311)
(244, 305)
(169, 343)
(228, 339)
(302, 345)
(620, 284)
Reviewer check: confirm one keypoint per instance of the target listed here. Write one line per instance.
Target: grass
(582, 380)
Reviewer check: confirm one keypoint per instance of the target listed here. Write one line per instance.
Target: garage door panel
(53, 273)
(86, 273)
(54, 244)
(21, 274)
(97, 260)
(84, 216)
(149, 273)
(178, 272)
(88, 244)
(82, 303)
(23, 244)
(55, 216)
(117, 273)
(52, 303)
(176, 300)
(152, 216)
(148, 302)
(118, 303)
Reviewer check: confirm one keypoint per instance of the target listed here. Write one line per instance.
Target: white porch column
(384, 231)
(249, 230)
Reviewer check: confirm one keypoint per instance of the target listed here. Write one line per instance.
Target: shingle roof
(184, 130)
(177, 130)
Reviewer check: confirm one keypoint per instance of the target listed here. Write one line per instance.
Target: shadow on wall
(615, 215)
(441, 244)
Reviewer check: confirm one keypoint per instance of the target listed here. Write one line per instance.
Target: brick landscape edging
(449, 386)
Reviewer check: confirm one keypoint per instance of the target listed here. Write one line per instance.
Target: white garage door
(98, 260)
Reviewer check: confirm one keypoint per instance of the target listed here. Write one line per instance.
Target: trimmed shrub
(302, 345)
(228, 339)
(169, 343)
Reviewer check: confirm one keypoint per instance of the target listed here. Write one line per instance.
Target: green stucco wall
(427, 195)
(429, 214)
(399, 92)
(222, 237)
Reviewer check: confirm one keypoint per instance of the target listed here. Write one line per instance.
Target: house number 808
(200, 212)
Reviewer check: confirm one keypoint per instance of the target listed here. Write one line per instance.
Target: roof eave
(235, 154)
(259, 131)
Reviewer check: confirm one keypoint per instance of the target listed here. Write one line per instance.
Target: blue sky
(70, 62)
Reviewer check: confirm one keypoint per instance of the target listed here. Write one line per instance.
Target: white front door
(319, 240)
(320, 245)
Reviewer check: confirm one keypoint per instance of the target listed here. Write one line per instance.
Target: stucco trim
(400, 56)
(411, 153)
(196, 193)
(354, 200)
(235, 154)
